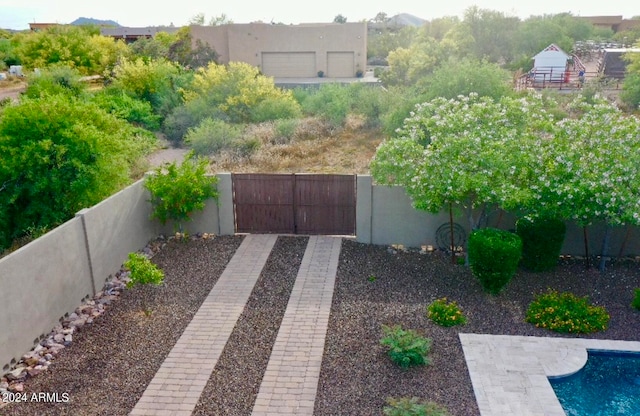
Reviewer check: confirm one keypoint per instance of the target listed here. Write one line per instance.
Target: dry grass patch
(313, 146)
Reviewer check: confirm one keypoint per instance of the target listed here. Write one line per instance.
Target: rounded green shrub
(542, 240)
(405, 346)
(567, 313)
(213, 136)
(494, 255)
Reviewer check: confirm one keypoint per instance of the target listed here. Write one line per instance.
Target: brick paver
(290, 382)
(176, 387)
(510, 373)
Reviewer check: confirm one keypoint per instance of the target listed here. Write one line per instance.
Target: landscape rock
(16, 374)
(16, 387)
(34, 371)
(31, 361)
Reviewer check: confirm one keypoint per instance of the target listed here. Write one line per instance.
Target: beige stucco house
(339, 50)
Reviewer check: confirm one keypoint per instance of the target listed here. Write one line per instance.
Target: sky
(17, 14)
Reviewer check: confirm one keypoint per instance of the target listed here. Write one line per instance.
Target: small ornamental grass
(636, 299)
(567, 313)
(445, 313)
(413, 406)
(405, 346)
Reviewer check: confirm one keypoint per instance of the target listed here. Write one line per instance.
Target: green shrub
(413, 406)
(275, 109)
(636, 299)
(187, 116)
(284, 131)
(331, 102)
(445, 313)
(400, 101)
(567, 313)
(143, 271)
(542, 240)
(178, 190)
(405, 347)
(378, 71)
(55, 80)
(494, 255)
(64, 154)
(371, 102)
(127, 108)
(158, 82)
(213, 136)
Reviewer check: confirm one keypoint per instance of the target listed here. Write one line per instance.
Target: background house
(615, 23)
(550, 65)
(339, 50)
(131, 34)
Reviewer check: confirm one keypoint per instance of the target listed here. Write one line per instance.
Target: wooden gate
(295, 203)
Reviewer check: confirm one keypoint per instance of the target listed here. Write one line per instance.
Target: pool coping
(510, 373)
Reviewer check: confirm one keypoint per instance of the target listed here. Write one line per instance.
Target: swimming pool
(609, 384)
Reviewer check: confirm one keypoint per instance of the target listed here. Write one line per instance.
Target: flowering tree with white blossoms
(464, 153)
(589, 170)
(475, 153)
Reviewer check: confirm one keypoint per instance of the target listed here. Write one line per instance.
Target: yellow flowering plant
(445, 313)
(567, 313)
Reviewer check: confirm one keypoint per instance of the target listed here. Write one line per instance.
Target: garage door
(340, 65)
(289, 64)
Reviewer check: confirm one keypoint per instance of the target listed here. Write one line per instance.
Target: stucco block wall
(40, 283)
(395, 221)
(385, 216)
(48, 278)
(117, 226)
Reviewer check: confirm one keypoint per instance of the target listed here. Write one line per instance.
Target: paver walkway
(291, 379)
(510, 373)
(290, 382)
(179, 382)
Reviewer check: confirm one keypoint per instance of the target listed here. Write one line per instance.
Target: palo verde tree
(158, 82)
(79, 47)
(60, 155)
(460, 153)
(237, 89)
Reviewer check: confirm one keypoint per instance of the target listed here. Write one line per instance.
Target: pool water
(609, 384)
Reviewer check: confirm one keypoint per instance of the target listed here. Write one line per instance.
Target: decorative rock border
(61, 336)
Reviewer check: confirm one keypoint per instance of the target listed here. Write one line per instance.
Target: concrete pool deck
(510, 373)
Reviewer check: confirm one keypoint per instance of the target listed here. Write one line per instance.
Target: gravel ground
(357, 376)
(109, 363)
